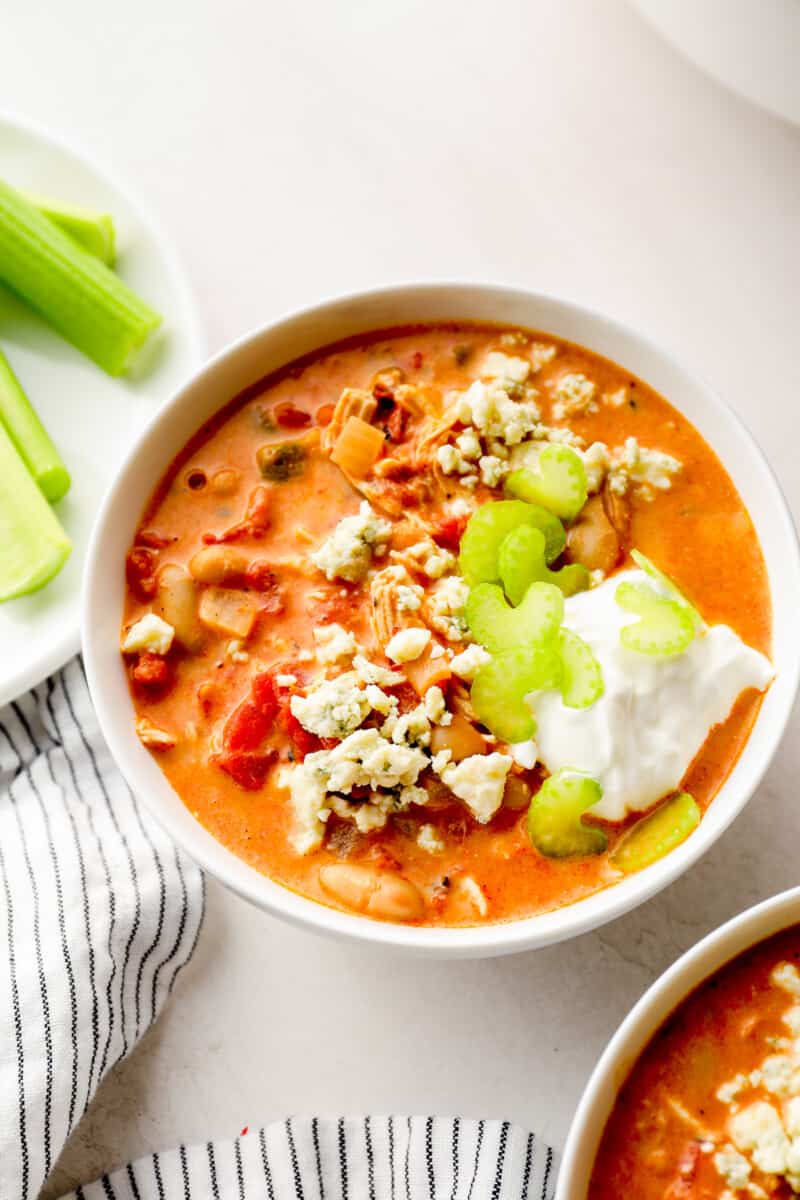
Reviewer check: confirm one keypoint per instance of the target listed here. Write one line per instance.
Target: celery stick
(93, 230)
(30, 437)
(33, 546)
(75, 292)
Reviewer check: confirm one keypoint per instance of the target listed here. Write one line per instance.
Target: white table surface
(294, 150)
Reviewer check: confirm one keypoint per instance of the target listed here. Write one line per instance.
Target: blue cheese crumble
(479, 781)
(573, 395)
(347, 552)
(151, 634)
(333, 709)
(446, 608)
(364, 759)
(334, 643)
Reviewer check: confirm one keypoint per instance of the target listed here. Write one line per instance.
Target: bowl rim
(473, 941)
(696, 965)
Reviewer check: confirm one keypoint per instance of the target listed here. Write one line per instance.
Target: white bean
(218, 564)
(176, 602)
(367, 889)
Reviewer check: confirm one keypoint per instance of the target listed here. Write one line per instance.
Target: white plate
(92, 418)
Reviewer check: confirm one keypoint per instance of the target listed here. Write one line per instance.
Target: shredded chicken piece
(601, 532)
(618, 511)
(383, 494)
(353, 402)
(386, 614)
(152, 736)
(459, 702)
(419, 401)
(683, 1114)
(426, 461)
(394, 466)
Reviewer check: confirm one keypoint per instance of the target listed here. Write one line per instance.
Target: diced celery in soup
(447, 626)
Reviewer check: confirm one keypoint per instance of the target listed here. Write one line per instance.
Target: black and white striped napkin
(99, 912)
(353, 1158)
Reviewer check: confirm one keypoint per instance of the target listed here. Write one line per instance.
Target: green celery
(658, 833)
(33, 546)
(555, 825)
(75, 292)
(30, 437)
(92, 230)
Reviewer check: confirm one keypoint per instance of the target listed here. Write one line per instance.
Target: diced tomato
(337, 606)
(274, 603)
(140, 568)
(325, 414)
(262, 578)
(290, 417)
(255, 523)
(303, 742)
(153, 539)
(257, 513)
(247, 769)
(267, 694)
(406, 696)
(412, 494)
(396, 424)
(450, 531)
(151, 672)
(247, 727)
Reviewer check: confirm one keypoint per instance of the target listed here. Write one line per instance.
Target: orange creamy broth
(682, 530)
(649, 1149)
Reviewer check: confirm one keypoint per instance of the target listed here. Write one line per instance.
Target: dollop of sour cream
(639, 738)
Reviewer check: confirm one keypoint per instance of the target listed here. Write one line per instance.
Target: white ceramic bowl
(749, 46)
(278, 343)
(643, 1021)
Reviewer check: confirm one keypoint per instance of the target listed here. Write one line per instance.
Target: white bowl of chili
(683, 1044)
(187, 420)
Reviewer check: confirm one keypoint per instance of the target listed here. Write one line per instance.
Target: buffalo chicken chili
(711, 1110)
(447, 625)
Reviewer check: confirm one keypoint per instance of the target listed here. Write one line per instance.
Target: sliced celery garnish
(582, 678)
(521, 562)
(674, 592)
(33, 546)
(88, 304)
(30, 437)
(666, 628)
(558, 483)
(501, 685)
(489, 525)
(658, 833)
(554, 817)
(498, 626)
(93, 230)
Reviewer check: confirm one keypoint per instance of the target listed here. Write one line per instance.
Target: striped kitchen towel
(98, 914)
(354, 1158)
